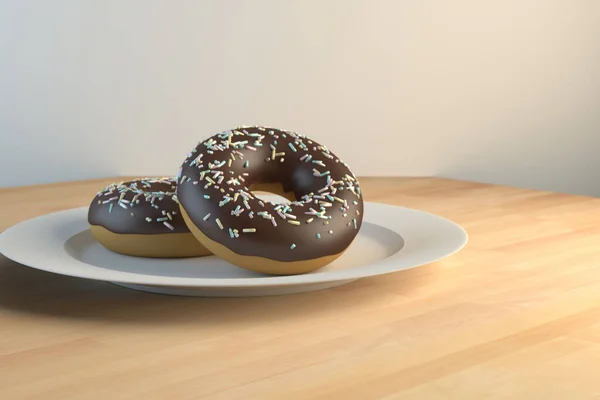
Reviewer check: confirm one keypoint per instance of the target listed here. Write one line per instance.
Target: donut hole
(261, 189)
(288, 181)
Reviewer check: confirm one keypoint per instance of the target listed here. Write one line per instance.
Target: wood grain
(515, 315)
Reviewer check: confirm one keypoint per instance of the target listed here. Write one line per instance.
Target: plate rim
(380, 267)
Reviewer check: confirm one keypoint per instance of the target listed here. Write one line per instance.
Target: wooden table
(515, 315)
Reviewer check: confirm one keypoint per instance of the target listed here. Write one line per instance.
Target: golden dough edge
(253, 263)
(168, 245)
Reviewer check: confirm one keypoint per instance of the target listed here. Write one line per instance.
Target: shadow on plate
(28, 291)
(373, 243)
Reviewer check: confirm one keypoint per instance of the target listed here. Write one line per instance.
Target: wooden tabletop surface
(515, 315)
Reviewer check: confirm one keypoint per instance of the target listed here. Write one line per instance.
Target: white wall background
(504, 91)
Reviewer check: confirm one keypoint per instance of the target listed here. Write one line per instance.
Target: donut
(142, 218)
(217, 185)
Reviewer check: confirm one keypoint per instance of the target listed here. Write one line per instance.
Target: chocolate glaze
(144, 206)
(216, 179)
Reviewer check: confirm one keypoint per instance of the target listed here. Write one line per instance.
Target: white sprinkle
(290, 216)
(168, 225)
(206, 217)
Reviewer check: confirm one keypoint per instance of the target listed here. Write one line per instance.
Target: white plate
(391, 239)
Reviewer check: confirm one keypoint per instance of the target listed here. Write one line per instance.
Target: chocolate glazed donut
(215, 188)
(142, 218)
